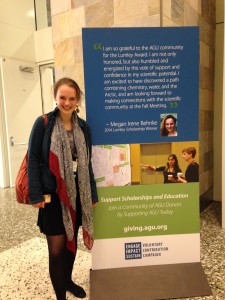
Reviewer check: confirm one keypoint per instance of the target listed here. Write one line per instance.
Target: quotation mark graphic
(98, 46)
(173, 104)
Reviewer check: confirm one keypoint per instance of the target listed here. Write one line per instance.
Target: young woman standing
(60, 171)
(192, 171)
(170, 171)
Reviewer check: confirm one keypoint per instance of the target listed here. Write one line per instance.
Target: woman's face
(186, 156)
(66, 99)
(171, 161)
(170, 125)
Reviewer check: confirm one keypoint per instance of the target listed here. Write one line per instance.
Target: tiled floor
(24, 257)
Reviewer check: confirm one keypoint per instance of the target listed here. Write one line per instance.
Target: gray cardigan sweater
(40, 179)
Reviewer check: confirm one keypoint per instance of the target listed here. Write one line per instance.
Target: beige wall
(69, 16)
(43, 55)
(17, 25)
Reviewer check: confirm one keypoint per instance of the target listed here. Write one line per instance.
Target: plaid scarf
(61, 166)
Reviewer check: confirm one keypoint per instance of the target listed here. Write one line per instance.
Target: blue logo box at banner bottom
(135, 78)
(133, 250)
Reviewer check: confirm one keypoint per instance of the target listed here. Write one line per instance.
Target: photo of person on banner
(170, 172)
(192, 171)
(168, 125)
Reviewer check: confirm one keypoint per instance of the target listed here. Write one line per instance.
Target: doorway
(25, 93)
(47, 79)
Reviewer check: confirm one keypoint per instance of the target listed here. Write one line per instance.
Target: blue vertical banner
(141, 88)
(134, 77)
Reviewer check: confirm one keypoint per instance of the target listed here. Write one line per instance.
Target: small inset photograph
(145, 164)
(176, 162)
(168, 125)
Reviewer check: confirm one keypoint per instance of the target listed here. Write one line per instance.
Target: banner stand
(147, 240)
(149, 282)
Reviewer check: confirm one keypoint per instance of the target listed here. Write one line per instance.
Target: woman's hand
(181, 180)
(147, 167)
(39, 204)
